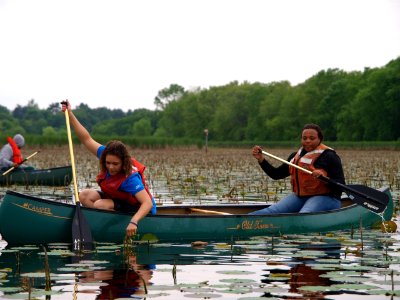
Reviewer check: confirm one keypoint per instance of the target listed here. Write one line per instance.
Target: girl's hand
(131, 229)
(65, 105)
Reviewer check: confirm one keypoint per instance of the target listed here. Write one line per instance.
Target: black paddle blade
(367, 197)
(81, 234)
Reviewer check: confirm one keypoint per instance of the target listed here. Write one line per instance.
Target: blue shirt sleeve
(133, 184)
(100, 150)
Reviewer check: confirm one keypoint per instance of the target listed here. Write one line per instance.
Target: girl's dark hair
(316, 128)
(118, 149)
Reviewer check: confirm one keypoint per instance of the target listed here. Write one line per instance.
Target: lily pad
(237, 280)
(354, 286)
(235, 272)
(203, 295)
(10, 289)
(317, 288)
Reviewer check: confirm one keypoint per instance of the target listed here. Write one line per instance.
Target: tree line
(349, 106)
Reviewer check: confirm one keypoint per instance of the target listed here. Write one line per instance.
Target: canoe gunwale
(187, 208)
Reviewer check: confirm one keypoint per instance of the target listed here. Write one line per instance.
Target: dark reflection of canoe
(28, 220)
(60, 176)
(31, 260)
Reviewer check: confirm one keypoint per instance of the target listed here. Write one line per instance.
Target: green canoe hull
(29, 220)
(61, 176)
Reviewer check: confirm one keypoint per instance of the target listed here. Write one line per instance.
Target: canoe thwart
(205, 211)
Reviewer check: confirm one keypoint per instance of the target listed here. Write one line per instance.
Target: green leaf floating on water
(36, 275)
(10, 289)
(94, 262)
(317, 288)
(340, 274)
(197, 290)
(58, 252)
(9, 251)
(354, 286)
(203, 295)
(237, 290)
(162, 287)
(351, 279)
(237, 280)
(34, 294)
(26, 248)
(109, 247)
(235, 272)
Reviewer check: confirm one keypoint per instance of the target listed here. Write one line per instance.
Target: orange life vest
(110, 185)
(17, 156)
(304, 184)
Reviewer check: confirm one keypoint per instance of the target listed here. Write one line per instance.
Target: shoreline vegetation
(160, 143)
(356, 110)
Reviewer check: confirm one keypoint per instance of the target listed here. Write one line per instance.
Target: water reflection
(301, 267)
(342, 266)
(118, 282)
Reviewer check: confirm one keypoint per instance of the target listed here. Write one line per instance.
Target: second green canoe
(60, 176)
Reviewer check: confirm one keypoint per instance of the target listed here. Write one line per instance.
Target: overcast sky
(120, 53)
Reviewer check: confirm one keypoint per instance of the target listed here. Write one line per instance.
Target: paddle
(81, 234)
(25, 159)
(374, 200)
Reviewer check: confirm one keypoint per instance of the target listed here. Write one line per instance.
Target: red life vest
(304, 184)
(110, 185)
(17, 156)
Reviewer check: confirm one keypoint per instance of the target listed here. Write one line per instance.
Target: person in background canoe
(121, 178)
(310, 194)
(11, 156)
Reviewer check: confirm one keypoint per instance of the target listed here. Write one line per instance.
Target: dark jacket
(329, 161)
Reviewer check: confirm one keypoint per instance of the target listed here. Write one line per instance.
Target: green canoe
(29, 220)
(60, 176)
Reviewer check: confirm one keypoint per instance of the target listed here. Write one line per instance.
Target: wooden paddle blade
(367, 197)
(81, 234)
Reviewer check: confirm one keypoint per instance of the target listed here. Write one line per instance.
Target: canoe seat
(346, 202)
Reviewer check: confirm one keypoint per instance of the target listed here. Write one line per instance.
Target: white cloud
(119, 54)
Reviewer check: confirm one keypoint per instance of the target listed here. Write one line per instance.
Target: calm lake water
(339, 265)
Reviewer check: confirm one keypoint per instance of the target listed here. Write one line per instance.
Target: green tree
(49, 132)
(142, 128)
(166, 95)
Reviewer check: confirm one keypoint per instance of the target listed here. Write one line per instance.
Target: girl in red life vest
(122, 185)
(309, 193)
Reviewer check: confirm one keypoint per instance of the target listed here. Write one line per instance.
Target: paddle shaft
(286, 162)
(343, 187)
(25, 159)
(71, 152)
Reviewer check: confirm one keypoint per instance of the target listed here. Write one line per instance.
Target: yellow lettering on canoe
(38, 209)
(259, 225)
(256, 225)
(247, 225)
(46, 211)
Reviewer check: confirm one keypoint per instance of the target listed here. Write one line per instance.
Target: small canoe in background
(30, 220)
(60, 176)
